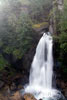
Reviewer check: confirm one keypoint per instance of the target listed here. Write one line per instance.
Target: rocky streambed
(13, 92)
(10, 87)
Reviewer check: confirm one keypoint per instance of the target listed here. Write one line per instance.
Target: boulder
(3, 97)
(13, 87)
(16, 96)
(28, 96)
(20, 87)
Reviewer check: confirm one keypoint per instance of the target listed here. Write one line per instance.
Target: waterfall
(42, 65)
(40, 80)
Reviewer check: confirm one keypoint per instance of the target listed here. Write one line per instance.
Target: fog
(13, 12)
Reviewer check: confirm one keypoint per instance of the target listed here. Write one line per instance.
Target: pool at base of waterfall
(44, 94)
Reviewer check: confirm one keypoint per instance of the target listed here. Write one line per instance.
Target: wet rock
(20, 79)
(1, 84)
(3, 97)
(28, 96)
(62, 86)
(66, 92)
(20, 87)
(16, 96)
(6, 90)
(40, 99)
(13, 87)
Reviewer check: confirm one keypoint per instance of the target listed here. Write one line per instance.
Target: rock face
(62, 85)
(3, 98)
(60, 4)
(57, 6)
(15, 96)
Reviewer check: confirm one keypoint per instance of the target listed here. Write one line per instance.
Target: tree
(16, 33)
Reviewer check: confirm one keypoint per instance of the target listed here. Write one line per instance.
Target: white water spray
(40, 81)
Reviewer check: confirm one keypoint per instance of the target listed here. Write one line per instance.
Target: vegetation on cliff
(61, 41)
(17, 34)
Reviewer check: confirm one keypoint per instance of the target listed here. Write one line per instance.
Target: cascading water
(41, 71)
(40, 81)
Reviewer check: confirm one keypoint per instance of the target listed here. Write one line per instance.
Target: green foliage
(63, 42)
(63, 18)
(64, 47)
(16, 26)
(17, 38)
(38, 9)
(60, 51)
(16, 33)
(61, 39)
(3, 62)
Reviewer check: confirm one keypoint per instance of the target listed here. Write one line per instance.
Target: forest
(22, 24)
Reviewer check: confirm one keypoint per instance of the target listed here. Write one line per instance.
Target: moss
(40, 25)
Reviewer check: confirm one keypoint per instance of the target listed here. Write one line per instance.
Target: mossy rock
(40, 26)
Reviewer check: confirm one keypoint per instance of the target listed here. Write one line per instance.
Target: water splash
(40, 81)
